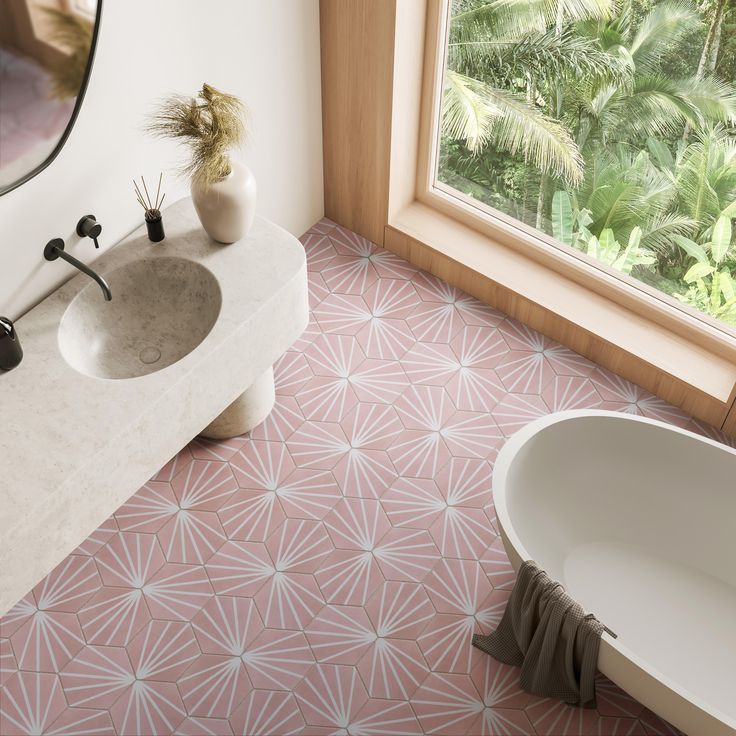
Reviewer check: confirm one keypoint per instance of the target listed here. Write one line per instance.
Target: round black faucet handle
(88, 227)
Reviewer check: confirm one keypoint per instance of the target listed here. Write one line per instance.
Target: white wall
(265, 51)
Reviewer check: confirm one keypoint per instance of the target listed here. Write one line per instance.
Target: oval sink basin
(161, 309)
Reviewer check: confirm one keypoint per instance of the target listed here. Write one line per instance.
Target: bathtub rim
(611, 648)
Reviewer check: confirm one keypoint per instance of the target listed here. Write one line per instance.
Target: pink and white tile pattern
(324, 574)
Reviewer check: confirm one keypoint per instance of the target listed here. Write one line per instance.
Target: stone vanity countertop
(73, 447)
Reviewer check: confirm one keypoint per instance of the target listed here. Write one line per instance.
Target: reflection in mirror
(45, 48)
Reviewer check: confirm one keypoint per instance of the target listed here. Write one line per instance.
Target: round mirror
(46, 51)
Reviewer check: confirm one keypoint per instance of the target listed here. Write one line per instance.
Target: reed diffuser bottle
(151, 209)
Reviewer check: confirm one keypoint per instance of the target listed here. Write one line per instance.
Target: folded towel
(548, 634)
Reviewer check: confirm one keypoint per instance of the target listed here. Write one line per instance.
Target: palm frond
(549, 55)
(664, 26)
(478, 113)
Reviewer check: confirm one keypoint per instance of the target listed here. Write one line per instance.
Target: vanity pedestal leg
(246, 412)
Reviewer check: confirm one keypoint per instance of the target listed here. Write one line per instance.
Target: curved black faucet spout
(55, 249)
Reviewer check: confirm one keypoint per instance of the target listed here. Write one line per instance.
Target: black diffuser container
(155, 229)
(11, 353)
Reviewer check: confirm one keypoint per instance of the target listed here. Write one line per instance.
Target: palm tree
(501, 56)
(647, 102)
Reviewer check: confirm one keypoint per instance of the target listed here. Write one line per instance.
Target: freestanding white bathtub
(638, 520)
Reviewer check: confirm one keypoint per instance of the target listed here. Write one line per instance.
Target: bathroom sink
(161, 309)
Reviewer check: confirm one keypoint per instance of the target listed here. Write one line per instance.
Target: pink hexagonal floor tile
(419, 453)
(424, 407)
(97, 677)
(227, 625)
(289, 600)
(68, 585)
(308, 494)
(192, 726)
(331, 695)
(279, 425)
(252, 515)
(239, 568)
(113, 616)
(479, 347)
(364, 473)
(432, 364)
(213, 686)
(349, 577)
(177, 592)
(349, 275)
(386, 717)
(406, 554)
(278, 660)
(413, 502)
(571, 392)
(327, 399)
(129, 560)
(319, 249)
(8, 664)
(150, 507)
(399, 609)
(554, 716)
(30, 703)
(447, 704)
(446, 643)
(47, 641)
(191, 537)
(318, 445)
(291, 373)
(342, 314)
(379, 381)
(80, 721)
(496, 565)
(395, 298)
(334, 356)
(462, 532)
(372, 426)
(472, 435)
(340, 634)
(385, 338)
(435, 321)
(392, 669)
(267, 712)
(299, 545)
(204, 485)
(148, 707)
(498, 683)
(457, 586)
(515, 411)
(357, 524)
(163, 650)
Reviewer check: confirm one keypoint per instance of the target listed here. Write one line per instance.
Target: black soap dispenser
(11, 353)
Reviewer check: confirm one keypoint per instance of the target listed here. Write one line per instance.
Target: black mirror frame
(72, 117)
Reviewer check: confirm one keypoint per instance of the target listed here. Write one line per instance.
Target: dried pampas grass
(211, 124)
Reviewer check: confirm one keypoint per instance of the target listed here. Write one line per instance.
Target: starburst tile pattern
(324, 574)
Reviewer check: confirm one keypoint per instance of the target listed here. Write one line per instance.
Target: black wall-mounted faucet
(55, 249)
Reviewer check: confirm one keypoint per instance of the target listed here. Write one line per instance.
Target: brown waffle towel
(546, 632)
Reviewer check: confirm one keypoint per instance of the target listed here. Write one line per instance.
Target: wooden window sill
(701, 381)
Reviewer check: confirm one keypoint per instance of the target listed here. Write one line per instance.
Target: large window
(609, 126)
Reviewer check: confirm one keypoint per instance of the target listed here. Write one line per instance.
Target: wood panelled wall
(357, 39)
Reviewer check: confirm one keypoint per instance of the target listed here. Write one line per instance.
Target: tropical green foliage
(610, 124)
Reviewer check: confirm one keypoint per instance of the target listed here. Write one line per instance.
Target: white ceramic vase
(226, 208)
